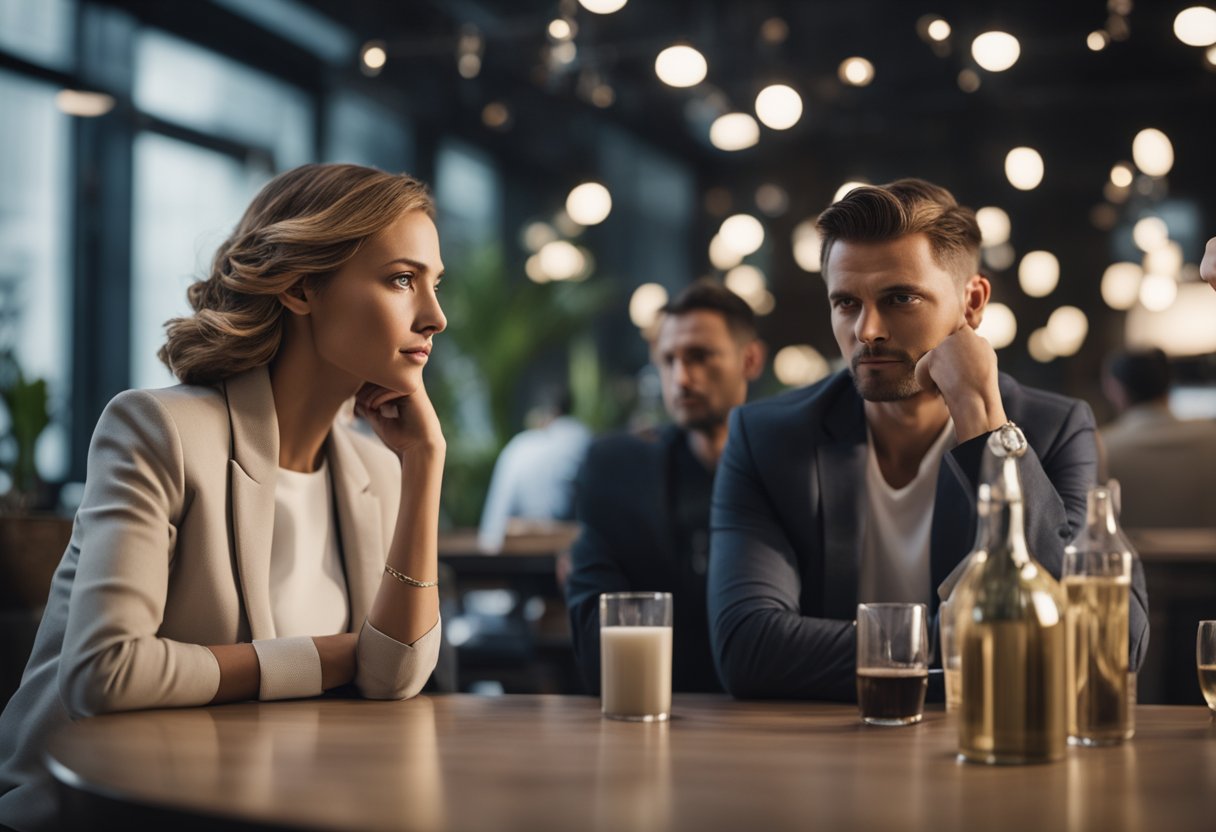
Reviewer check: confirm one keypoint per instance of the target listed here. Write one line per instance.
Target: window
(35, 246)
(468, 194)
(364, 132)
(193, 87)
(40, 32)
(187, 201)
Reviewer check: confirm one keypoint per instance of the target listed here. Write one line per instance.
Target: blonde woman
(234, 541)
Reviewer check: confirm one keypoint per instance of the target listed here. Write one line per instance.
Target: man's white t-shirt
(897, 523)
(307, 582)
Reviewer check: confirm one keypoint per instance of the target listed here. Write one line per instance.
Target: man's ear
(976, 293)
(754, 356)
(296, 299)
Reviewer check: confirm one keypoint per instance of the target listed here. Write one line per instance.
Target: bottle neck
(1005, 530)
(1100, 512)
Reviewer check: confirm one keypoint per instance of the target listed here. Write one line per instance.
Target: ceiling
(1079, 108)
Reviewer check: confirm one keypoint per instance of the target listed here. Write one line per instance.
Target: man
(862, 487)
(533, 478)
(644, 502)
(1166, 466)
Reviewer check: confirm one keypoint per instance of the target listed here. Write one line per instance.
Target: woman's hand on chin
(404, 423)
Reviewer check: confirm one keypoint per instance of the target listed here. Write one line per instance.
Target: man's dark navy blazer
(787, 517)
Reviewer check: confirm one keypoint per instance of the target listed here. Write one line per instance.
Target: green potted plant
(498, 327)
(32, 539)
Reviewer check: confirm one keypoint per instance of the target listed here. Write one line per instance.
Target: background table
(551, 762)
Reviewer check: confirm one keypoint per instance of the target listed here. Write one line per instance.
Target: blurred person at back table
(235, 539)
(862, 487)
(643, 501)
(1207, 269)
(533, 478)
(1166, 466)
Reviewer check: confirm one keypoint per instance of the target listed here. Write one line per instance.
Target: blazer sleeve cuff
(389, 669)
(290, 668)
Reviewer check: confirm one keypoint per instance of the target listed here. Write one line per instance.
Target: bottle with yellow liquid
(1009, 620)
(1097, 581)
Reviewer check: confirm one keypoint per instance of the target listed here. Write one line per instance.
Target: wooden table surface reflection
(462, 762)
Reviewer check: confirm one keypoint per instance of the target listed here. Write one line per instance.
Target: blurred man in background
(533, 482)
(1165, 465)
(643, 501)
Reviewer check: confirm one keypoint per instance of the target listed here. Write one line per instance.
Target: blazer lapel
(841, 461)
(253, 467)
(359, 524)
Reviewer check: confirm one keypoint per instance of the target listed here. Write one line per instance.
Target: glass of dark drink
(892, 663)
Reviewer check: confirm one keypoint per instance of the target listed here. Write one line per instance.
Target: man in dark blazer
(643, 501)
(807, 517)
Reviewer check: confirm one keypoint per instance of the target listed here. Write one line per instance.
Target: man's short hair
(1144, 374)
(877, 213)
(713, 296)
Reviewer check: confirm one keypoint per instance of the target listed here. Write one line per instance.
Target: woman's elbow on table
(88, 685)
(388, 669)
(134, 674)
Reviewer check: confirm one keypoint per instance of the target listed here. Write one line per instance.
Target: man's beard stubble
(701, 419)
(892, 389)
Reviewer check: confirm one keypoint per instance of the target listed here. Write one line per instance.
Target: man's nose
(679, 373)
(870, 328)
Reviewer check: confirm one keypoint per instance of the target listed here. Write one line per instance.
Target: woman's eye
(405, 281)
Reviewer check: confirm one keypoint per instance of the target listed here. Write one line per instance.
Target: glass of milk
(635, 655)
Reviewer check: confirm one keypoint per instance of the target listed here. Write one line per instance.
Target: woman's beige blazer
(170, 551)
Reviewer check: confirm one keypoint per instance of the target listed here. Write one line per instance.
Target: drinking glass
(1205, 661)
(635, 655)
(892, 663)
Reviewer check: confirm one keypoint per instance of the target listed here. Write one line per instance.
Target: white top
(895, 540)
(307, 582)
(534, 478)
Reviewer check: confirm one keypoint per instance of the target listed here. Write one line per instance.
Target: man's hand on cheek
(1207, 269)
(963, 369)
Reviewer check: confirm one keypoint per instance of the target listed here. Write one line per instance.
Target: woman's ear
(295, 299)
(976, 293)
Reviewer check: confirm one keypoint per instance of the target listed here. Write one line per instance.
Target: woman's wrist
(424, 453)
(337, 654)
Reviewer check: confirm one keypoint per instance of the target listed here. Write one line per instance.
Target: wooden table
(531, 763)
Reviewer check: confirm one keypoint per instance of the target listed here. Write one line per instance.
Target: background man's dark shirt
(643, 503)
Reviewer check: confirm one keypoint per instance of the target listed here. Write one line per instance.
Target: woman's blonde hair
(303, 226)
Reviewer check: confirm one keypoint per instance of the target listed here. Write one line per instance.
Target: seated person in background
(1166, 467)
(643, 502)
(1207, 269)
(862, 487)
(234, 541)
(534, 476)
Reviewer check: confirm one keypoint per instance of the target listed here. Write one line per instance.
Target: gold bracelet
(406, 579)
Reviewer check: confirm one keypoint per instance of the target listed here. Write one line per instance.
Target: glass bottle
(947, 612)
(1097, 581)
(1009, 618)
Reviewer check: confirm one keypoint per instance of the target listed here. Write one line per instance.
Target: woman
(232, 538)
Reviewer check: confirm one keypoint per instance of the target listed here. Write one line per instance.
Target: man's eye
(901, 300)
(845, 303)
